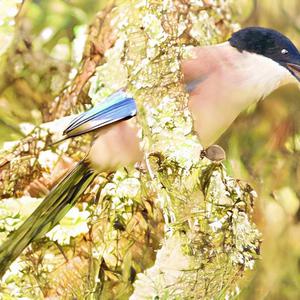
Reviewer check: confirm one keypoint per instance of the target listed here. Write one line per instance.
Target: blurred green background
(262, 146)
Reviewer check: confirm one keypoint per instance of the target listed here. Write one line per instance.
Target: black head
(269, 43)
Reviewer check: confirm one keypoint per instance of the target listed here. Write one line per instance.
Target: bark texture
(179, 228)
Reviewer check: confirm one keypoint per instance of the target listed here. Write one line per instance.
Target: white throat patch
(264, 75)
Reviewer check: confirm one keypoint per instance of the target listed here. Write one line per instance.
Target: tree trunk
(179, 228)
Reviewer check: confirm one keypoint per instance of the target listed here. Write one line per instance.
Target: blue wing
(119, 106)
(191, 85)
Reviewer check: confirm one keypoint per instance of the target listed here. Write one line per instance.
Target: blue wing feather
(119, 106)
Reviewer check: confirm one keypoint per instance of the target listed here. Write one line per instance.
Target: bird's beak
(294, 68)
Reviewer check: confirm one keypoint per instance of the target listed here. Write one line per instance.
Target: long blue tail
(53, 208)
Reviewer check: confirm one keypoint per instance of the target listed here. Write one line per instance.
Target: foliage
(262, 146)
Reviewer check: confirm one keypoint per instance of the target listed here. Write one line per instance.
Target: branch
(190, 206)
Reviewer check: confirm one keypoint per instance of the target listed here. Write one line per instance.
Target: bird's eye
(284, 51)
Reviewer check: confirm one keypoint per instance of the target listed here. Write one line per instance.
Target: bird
(222, 80)
(115, 144)
(226, 78)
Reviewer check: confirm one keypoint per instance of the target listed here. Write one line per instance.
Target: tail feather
(53, 208)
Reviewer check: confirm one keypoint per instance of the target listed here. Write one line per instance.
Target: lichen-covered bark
(187, 207)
